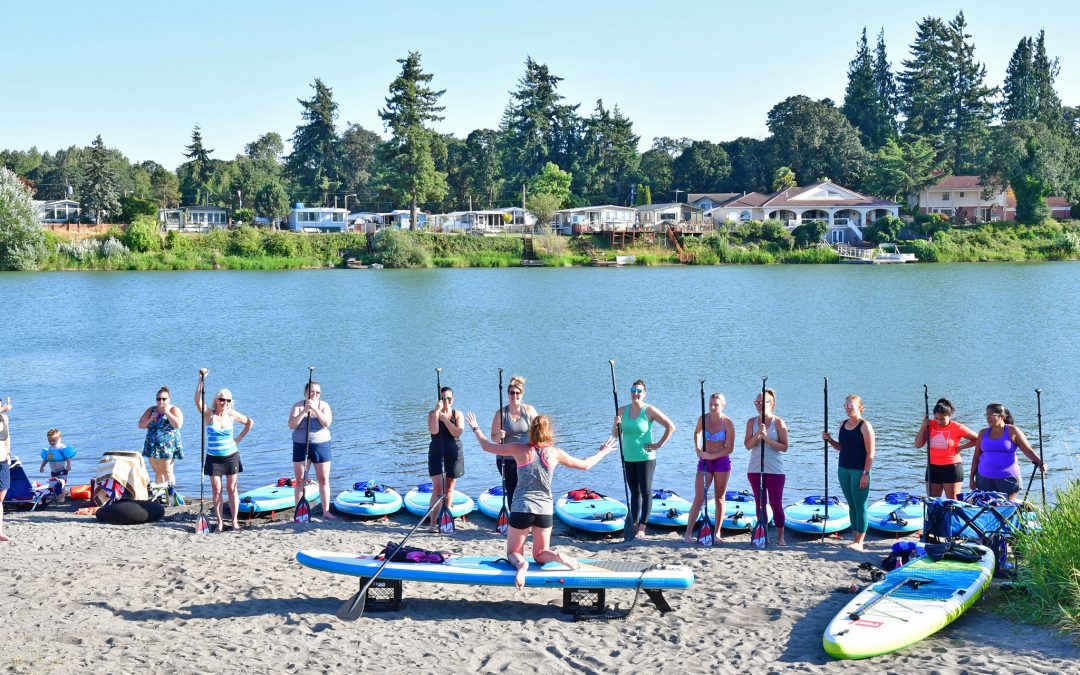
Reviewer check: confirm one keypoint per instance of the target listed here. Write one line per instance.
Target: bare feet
(326, 516)
(781, 542)
(856, 546)
(236, 526)
(4, 538)
(688, 538)
(519, 577)
(220, 527)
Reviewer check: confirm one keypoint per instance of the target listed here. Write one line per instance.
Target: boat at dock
(884, 254)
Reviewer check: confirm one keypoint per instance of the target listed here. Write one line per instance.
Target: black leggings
(507, 466)
(639, 479)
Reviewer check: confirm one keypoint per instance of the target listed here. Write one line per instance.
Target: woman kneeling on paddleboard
(533, 508)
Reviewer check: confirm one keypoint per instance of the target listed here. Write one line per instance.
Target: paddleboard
(491, 571)
(898, 512)
(368, 498)
(490, 502)
(911, 611)
(418, 500)
(669, 509)
(592, 515)
(808, 515)
(740, 511)
(270, 498)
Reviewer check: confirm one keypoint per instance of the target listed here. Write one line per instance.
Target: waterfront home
(964, 198)
(317, 219)
(844, 211)
(193, 218)
(399, 218)
(707, 201)
(58, 211)
(520, 219)
(657, 216)
(585, 219)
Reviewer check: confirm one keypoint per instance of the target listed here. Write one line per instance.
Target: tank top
(517, 431)
(219, 440)
(774, 459)
(4, 456)
(998, 458)
(636, 434)
(444, 440)
(852, 447)
(944, 441)
(319, 433)
(533, 493)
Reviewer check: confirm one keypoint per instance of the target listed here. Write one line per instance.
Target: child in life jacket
(58, 457)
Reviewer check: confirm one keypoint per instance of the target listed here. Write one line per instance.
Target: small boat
(598, 513)
(418, 499)
(368, 498)
(740, 511)
(808, 515)
(625, 260)
(669, 509)
(882, 255)
(490, 502)
(899, 512)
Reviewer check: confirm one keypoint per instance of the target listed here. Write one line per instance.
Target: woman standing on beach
(948, 437)
(310, 421)
(163, 444)
(714, 441)
(856, 446)
(222, 455)
(533, 508)
(766, 426)
(993, 466)
(445, 458)
(511, 425)
(5, 462)
(635, 422)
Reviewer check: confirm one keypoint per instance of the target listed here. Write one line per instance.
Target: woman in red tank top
(948, 437)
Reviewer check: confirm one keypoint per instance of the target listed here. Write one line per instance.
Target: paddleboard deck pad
(898, 512)
(808, 516)
(669, 509)
(368, 499)
(418, 500)
(740, 511)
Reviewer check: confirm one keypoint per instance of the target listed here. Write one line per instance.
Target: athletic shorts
(317, 452)
(721, 465)
(523, 521)
(1007, 485)
(449, 460)
(5, 475)
(941, 474)
(223, 466)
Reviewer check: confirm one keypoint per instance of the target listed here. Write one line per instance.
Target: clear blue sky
(142, 74)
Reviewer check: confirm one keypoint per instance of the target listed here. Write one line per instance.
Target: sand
(87, 597)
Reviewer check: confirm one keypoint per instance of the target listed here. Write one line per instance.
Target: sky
(143, 74)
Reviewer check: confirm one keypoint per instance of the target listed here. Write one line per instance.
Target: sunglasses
(446, 398)
(225, 400)
(163, 398)
(636, 390)
(514, 392)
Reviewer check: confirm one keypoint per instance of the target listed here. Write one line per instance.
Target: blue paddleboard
(740, 511)
(899, 512)
(418, 500)
(490, 502)
(808, 515)
(368, 498)
(669, 509)
(592, 515)
(271, 498)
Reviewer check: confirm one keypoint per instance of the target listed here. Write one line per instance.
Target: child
(58, 457)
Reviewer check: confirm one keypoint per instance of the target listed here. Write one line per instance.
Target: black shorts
(223, 466)
(5, 476)
(940, 474)
(1007, 485)
(449, 460)
(316, 452)
(523, 521)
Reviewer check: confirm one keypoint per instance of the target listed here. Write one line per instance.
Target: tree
(312, 165)
(1020, 96)
(132, 206)
(165, 187)
(357, 150)
(886, 86)
(809, 233)
(657, 169)
(267, 148)
(816, 141)
(863, 105)
(22, 241)
(543, 205)
(672, 147)
(610, 157)
(969, 102)
(552, 181)
(903, 170)
(1034, 162)
(195, 184)
(702, 167)
(1045, 71)
(884, 229)
(750, 161)
(482, 169)
(410, 153)
(271, 201)
(783, 179)
(100, 191)
(925, 81)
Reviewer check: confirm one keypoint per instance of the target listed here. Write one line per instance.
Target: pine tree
(1044, 72)
(199, 169)
(861, 104)
(969, 103)
(925, 81)
(610, 156)
(313, 165)
(1020, 96)
(100, 191)
(885, 84)
(410, 153)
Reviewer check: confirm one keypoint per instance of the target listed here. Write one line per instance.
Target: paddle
(705, 534)
(760, 536)
(1042, 473)
(825, 523)
(302, 512)
(202, 525)
(915, 582)
(353, 608)
(502, 524)
(446, 519)
(630, 528)
(926, 486)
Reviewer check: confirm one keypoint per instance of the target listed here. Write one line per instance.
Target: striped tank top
(219, 440)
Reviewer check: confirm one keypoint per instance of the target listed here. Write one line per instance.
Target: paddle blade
(705, 534)
(302, 513)
(502, 525)
(353, 608)
(760, 537)
(202, 525)
(446, 521)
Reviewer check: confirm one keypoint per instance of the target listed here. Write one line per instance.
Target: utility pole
(677, 195)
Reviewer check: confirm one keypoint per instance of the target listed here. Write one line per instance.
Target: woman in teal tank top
(634, 422)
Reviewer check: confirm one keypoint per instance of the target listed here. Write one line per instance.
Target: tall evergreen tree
(970, 104)
(411, 151)
(885, 83)
(1020, 96)
(1044, 72)
(357, 154)
(862, 101)
(925, 81)
(483, 167)
(313, 165)
(610, 157)
(198, 170)
(100, 191)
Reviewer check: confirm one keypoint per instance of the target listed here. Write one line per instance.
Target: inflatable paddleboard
(592, 515)
(368, 498)
(669, 509)
(913, 602)
(491, 571)
(899, 512)
(418, 500)
(808, 515)
(274, 497)
(490, 502)
(740, 511)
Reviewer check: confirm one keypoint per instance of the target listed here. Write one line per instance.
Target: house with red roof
(963, 197)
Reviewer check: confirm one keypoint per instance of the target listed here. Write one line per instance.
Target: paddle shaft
(630, 528)
(762, 512)
(202, 455)
(857, 614)
(445, 494)
(502, 463)
(825, 407)
(708, 474)
(307, 432)
(1042, 473)
(926, 410)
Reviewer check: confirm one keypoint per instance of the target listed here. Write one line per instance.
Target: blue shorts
(1007, 485)
(317, 452)
(5, 476)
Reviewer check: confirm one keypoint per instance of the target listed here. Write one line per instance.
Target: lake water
(86, 352)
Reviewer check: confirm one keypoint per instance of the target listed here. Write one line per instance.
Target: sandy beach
(88, 597)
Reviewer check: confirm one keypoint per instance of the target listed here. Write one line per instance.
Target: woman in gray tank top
(511, 425)
(533, 508)
(310, 420)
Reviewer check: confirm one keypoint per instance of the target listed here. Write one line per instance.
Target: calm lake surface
(86, 352)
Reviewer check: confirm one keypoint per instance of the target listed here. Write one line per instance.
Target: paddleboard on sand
(276, 497)
(490, 502)
(418, 499)
(602, 514)
(669, 509)
(808, 515)
(368, 498)
(913, 602)
(898, 512)
(740, 511)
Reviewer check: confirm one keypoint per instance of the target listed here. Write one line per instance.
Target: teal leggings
(856, 498)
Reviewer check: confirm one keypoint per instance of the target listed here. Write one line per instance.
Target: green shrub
(400, 249)
(174, 241)
(245, 241)
(280, 243)
(1067, 244)
(22, 239)
(886, 228)
(811, 256)
(142, 235)
(113, 249)
(809, 233)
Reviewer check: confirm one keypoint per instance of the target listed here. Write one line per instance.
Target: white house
(519, 217)
(706, 201)
(317, 219)
(654, 215)
(58, 210)
(587, 219)
(197, 218)
(399, 218)
(962, 196)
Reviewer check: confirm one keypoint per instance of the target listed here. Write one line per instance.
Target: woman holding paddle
(533, 508)
(310, 421)
(768, 428)
(511, 425)
(993, 466)
(714, 441)
(856, 446)
(445, 457)
(222, 455)
(635, 422)
(948, 437)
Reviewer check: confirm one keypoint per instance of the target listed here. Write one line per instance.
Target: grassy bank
(250, 248)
